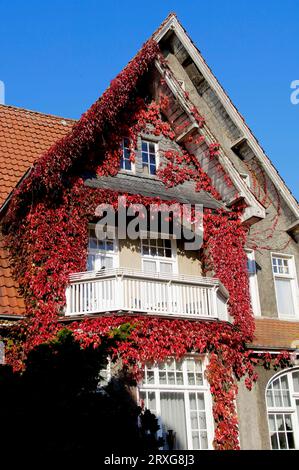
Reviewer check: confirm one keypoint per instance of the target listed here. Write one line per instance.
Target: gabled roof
(24, 136)
(172, 24)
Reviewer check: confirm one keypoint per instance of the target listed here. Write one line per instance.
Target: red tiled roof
(271, 332)
(24, 136)
(11, 303)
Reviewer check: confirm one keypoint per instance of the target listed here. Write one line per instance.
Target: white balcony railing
(125, 290)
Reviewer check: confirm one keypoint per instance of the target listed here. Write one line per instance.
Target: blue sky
(57, 57)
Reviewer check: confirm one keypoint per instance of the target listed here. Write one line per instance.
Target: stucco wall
(188, 261)
(130, 257)
(252, 413)
(129, 254)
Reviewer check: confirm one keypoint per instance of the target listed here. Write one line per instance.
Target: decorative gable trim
(255, 210)
(172, 24)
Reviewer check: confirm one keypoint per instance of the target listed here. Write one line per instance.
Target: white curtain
(284, 297)
(173, 418)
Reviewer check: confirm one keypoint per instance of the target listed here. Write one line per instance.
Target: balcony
(126, 291)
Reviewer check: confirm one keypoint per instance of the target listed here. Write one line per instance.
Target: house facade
(213, 299)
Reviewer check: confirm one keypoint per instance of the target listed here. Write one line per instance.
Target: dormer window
(125, 161)
(149, 157)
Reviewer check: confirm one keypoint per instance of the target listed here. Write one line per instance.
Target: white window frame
(292, 276)
(157, 159)
(160, 259)
(253, 285)
(185, 389)
(126, 170)
(110, 254)
(283, 410)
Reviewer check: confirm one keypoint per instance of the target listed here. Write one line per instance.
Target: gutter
(10, 316)
(272, 349)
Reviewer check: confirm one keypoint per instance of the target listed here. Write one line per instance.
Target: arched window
(282, 395)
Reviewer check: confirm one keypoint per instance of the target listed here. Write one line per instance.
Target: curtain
(173, 418)
(284, 297)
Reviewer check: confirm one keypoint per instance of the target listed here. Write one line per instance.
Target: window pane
(149, 266)
(152, 400)
(288, 423)
(92, 243)
(290, 440)
(90, 262)
(191, 379)
(162, 378)
(280, 422)
(107, 262)
(194, 420)
(173, 417)
(274, 441)
(144, 145)
(151, 147)
(270, 401)
(202, 420)
(200, 401)
(282, 440)
(195, 440)
(152, 159)
(127, 165)
(284, 295)
(296, 381)
(192, 398)
(286, 398)
(153, 169)
(272, 422)
(166, 268)
(204, 439)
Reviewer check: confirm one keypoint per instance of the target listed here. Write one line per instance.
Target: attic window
(125, 161)
(149, 157)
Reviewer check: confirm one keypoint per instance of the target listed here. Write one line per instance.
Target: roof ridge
(19, 108)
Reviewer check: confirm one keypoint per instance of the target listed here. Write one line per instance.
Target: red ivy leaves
(47, 237)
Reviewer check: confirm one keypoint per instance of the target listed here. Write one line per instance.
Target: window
(158, 255)
(178, 394)
(102, 254)
(125, 161)
(282, 397)
(149, 157)
(253, 284)
(286, 287)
